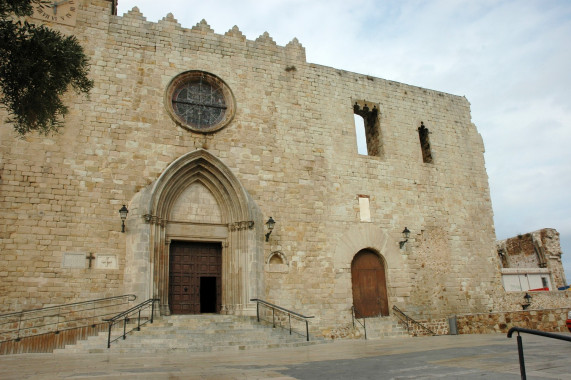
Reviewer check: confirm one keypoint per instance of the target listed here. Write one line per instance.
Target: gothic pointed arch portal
(369, 284)
(198, 199)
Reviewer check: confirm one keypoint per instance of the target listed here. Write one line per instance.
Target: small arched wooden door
(369, 284)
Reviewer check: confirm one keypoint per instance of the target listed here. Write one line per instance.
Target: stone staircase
(194, 333)
(384, 328)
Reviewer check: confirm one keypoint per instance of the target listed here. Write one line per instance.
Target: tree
(37, 66)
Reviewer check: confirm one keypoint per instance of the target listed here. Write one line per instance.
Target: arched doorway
(369, 284)
(205, 239)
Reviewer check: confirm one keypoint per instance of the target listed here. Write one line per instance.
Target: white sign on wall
(521, 280)
(106, 262)
(74, 260)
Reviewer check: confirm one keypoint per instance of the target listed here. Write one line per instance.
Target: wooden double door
(195, 277)
(369, 285)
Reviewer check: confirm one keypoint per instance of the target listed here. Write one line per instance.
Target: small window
(425, 143)
(364, 209)
(367, 127)
(544, 282)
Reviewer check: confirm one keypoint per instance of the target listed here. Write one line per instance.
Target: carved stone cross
(90, 257)
(106, 262)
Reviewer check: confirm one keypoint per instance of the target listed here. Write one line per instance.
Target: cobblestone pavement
(448, 357)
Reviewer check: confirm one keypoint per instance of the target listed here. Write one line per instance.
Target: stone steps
(384, 328)
(194, 333)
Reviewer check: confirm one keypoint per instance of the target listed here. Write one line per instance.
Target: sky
(511, 59)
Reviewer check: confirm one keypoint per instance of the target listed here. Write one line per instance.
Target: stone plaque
(106, 262)
(364, 209)
(74, 260)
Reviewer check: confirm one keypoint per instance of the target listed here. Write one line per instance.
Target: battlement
(135, 24)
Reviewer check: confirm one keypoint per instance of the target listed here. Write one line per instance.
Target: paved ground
(448, 357)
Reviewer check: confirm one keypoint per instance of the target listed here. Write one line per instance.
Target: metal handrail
(54, 319)
(354, 313)
(69, 304)
(125, 316)
(520, 343)
(408, 320)
(290, 313)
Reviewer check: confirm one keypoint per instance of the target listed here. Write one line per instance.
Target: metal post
(124, 328)
(57, 326)
(109, 335)
(274, 317)
(289, 317)
(19, 326)
(307, 330)
(353, 315)
(365, 327)
(93, 317)
(258, 311)
(139, 321)
(152, 310)
(520, 354)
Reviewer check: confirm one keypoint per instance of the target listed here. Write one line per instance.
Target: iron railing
(356, 315)
(409, 322)
(284, 312)
(141, 311)
(520, 343)
(55, 319)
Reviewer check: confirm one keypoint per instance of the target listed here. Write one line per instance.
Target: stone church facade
(204, 137)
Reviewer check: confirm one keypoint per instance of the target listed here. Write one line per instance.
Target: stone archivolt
(234, 230)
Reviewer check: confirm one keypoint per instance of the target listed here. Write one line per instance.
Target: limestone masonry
(203, 137)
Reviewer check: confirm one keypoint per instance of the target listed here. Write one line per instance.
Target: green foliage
(17, 7)
(37, 66)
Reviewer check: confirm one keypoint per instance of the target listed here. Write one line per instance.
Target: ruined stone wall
(292, 146)
(537, 249)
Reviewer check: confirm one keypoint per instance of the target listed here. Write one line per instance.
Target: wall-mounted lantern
(527, 301)
(123, 213)
(405, 235)
(270, 224)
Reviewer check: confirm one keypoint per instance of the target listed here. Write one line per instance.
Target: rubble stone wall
(551, 320)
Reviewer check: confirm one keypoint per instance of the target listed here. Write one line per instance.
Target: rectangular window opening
(361, 139)
(367, 128)
(425, 143)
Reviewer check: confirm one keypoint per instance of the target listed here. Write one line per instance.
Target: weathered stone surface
(290, 151)
(528, 252)
(486, 323)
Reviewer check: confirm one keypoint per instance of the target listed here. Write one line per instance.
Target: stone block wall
(291, 145)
